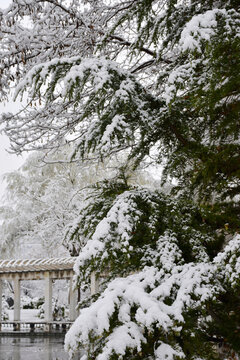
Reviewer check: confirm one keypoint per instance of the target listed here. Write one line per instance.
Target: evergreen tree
(160, 80)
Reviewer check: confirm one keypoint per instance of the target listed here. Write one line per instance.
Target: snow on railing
(19, 265)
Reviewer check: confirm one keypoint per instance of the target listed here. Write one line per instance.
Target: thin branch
(142, 66)
(128, 43)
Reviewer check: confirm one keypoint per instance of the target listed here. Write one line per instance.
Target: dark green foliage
(225, 325)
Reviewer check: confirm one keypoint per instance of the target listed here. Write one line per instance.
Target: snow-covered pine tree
(159, 79)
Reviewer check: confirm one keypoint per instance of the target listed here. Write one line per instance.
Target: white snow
(25, 315)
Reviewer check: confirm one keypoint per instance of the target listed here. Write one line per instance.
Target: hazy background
(8, 162)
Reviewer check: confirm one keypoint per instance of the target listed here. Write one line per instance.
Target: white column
(94, 284)
(0, 304)
(48, 300)
(72, 301)
(16, 287)
(16, 311)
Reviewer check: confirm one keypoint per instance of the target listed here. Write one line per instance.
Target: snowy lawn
(26, 315)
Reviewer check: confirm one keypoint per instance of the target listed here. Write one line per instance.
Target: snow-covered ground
(26, 315)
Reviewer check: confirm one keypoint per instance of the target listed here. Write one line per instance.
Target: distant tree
(40, 200)
(43, 200)
(159, 80)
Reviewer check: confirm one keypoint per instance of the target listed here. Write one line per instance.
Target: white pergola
(39, 269)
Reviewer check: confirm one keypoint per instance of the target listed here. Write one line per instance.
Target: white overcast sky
(8, 162)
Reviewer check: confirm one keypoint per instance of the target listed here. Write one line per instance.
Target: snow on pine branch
(166, 351)
(91, 101)
(198, 38)
(228, 262)
(114, 227)
(154, 299)
(119, 224)
(139, 306)
(68, 71)
(204, 26)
